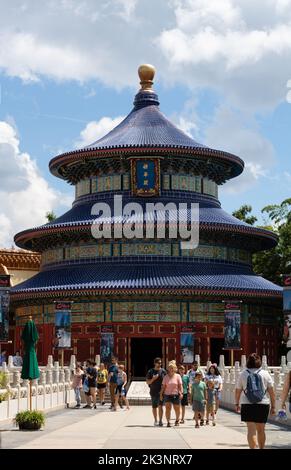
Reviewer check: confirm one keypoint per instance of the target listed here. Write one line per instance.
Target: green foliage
(3, 380)
(51, 216)
(272, 263)
(3, 396)
(30, 419)
(243, 213)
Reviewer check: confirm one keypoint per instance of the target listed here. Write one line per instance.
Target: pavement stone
(133, 429)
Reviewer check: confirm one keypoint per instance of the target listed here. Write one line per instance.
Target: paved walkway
(133, 429)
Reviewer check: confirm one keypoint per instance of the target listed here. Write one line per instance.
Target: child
(77, 383)
(185, 384)
(120, 389)
(210, 407)
(199, 398)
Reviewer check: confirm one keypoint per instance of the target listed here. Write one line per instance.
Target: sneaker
(214, 423)
(78, 406)
(168, 425)
(201, 422)
(156, 423)
(197, 426)
(176, 423)
(182, 421)
(86, 406)
(161, 424)
(95, 407)
(207, 422)
(103, 403)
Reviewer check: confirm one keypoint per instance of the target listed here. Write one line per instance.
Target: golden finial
(146, 74)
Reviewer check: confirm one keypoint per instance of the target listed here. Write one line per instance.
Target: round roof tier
(144, 131)
(202, 279)
(211, 219)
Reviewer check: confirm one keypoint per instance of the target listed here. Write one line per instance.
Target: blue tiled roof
(189, 276)
(146, 126)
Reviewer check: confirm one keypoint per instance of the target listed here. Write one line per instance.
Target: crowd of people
(174, 388)
(94, 380)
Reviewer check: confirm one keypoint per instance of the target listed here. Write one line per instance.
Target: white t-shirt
(217, 379)
(242, 385)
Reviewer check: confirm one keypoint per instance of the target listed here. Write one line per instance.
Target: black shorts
(156, 402)
(184, 401)
(174, 399)
(101, 385)
(255, 413)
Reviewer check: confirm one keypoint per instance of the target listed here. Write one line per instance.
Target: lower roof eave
(71, 292)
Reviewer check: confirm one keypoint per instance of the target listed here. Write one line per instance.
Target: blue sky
(67, 76)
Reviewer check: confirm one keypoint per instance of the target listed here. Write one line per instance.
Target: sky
(68, 75)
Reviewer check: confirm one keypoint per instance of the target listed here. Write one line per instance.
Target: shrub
(3, 380)
(32, 420)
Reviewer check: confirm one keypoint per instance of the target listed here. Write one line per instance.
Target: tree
(243, 214)
(272, 263)
(50, 216)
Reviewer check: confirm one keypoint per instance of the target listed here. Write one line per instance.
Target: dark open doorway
(143, 353)
(216, 349)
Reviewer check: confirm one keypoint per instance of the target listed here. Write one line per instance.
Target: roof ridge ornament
(146, 74)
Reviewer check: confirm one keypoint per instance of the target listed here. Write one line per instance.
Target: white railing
(51, 391)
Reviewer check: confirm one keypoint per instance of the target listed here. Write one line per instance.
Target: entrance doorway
(216, 349)
(143, 353)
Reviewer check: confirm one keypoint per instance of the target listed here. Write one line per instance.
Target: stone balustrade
(51, 391)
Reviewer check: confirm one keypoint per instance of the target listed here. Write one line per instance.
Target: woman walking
(172, 392)
(252, 401)
(213, 375)
(102, 377)
(91, 374)
(120, 393)
(77, 383)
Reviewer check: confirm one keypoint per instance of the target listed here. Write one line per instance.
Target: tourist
(193, 371)
(185, 383)
(17, 360)
(214, 376)
(286, 391)
(120, 392)
(102, 377)
(172, 392)
(254, 403)
(91, 375)
(112, 375)
(154, 379)
(77, 383)
(3, 357)
(199, 399)
(210, 406)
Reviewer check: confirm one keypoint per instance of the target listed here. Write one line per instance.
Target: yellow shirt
(102, 376)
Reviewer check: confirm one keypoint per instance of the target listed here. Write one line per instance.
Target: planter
(30, 420)
(29, 426)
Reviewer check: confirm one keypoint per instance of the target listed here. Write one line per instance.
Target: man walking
(112, 376)
(154, 379)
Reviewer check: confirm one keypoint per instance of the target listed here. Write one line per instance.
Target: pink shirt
(173, 384)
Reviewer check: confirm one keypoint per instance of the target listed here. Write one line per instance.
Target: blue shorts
(120, 390)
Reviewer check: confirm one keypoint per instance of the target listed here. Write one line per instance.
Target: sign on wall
(63, 316)
(232, 319)
(187, 345)
(4, 306)
(145, 177)
(106, 347)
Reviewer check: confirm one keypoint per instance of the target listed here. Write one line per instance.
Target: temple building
(146, 291)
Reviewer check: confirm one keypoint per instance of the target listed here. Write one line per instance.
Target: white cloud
(235, 133)
(94, 130)
(241, 48)
(26, 196)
